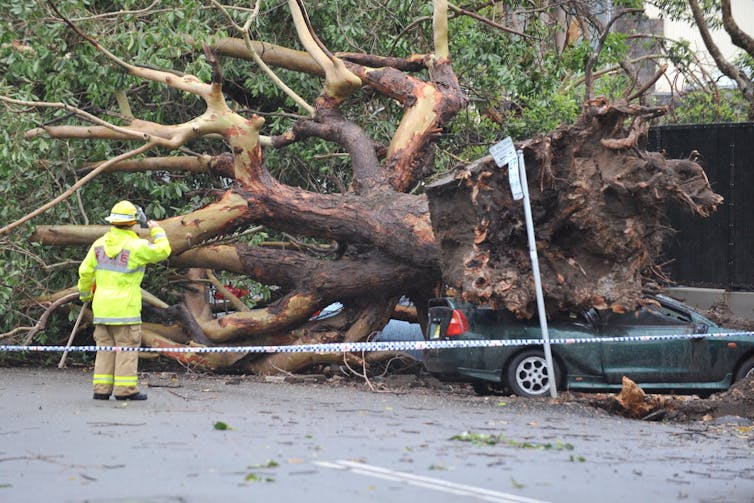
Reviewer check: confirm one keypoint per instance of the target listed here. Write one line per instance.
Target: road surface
(209, 439)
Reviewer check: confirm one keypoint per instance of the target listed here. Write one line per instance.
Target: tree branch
(332, 126)
(659, 73)
(743, 82)
(244, 31)
(339, 81)
(42, 322)
(440, 28)
(80, 183)
(739, 37)
(604, 32)
(483, 19)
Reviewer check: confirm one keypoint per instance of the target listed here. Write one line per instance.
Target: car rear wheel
(527, 374)
(746, 369)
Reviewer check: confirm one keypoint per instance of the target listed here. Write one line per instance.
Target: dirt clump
(634, 401)
(722, 314)
(736, 401)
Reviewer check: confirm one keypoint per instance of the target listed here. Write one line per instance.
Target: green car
(697, 361)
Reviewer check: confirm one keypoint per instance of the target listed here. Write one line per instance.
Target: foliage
(704, 107)
(41, 59)
(679, 10)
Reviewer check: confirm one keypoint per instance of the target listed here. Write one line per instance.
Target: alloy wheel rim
(531, 376)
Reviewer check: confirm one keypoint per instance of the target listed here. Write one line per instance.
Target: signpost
(504, 153)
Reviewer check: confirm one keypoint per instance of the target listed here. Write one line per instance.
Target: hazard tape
(347, 347)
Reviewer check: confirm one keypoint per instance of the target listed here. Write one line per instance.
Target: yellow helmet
(123, 213)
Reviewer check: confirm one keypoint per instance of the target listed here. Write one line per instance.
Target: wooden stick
(73, 333)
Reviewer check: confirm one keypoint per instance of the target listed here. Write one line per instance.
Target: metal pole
(535, 271)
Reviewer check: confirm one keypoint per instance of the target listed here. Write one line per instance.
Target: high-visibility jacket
(114, 268)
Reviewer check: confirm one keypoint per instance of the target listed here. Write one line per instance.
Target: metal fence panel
(715, 252)
(742, 165)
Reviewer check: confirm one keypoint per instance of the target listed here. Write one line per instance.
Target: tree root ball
(598, 205)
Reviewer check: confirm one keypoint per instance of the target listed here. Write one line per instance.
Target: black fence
(716, 252)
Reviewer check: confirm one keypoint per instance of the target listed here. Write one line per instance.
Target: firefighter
(110, 277)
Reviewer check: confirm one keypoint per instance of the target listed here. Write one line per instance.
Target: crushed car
(696, 361)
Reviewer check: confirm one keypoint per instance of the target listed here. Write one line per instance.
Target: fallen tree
(598, 199)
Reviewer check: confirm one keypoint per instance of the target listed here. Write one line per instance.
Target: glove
(86, 298)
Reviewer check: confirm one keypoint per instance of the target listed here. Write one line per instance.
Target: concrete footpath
(208, 439)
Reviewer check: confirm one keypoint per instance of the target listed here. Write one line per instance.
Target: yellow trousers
(116, 372)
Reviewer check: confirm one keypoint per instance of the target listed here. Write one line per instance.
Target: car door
(574, 334)
(652, 361)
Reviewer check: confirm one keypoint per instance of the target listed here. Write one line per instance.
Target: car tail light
(458, 324)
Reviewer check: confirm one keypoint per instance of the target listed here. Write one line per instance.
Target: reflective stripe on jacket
(114, 267)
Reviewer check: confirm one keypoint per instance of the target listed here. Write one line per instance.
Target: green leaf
(269, 464)
(253, 477)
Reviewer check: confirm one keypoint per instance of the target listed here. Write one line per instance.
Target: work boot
(136, 396)
(101, 396)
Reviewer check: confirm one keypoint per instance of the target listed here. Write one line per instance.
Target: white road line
(427, 482)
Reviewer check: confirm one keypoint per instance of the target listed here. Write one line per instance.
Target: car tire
(526, 374)
(746, 369)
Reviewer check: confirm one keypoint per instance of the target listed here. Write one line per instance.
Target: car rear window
(648, 315)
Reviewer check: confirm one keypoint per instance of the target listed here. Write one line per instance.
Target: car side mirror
(701, 328)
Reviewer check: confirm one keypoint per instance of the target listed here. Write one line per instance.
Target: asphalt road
(325, 443)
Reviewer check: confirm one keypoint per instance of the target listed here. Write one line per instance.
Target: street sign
(503, 153)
